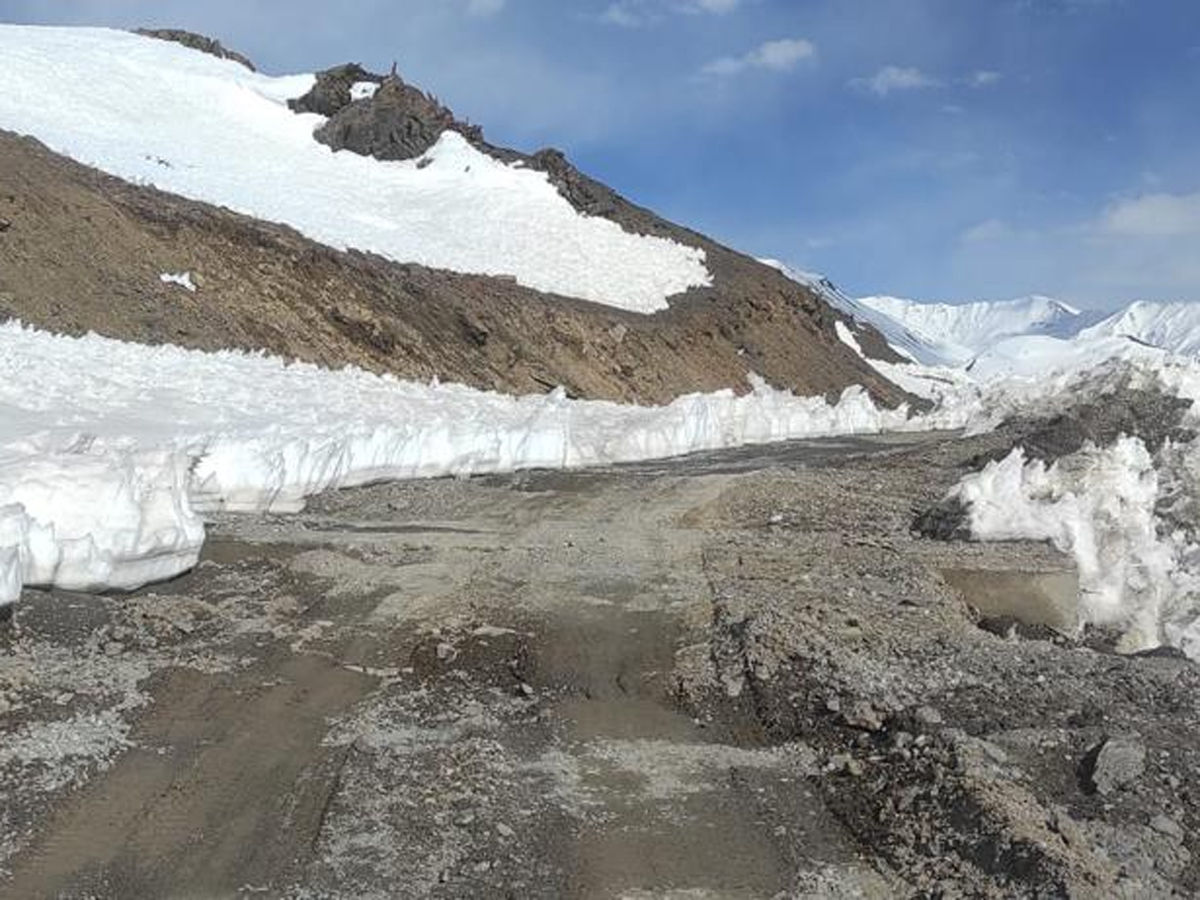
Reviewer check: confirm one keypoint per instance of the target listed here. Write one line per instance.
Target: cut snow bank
(112, 451)
(155, 112)
(1129, 517)
(1099, 507)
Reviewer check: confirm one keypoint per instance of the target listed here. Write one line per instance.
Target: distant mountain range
(960, 334)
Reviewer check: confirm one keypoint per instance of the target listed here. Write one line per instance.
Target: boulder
(398, 122)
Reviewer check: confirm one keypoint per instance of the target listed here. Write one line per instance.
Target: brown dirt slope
(83, 251)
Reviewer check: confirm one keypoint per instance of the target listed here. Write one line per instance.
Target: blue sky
(941, 149)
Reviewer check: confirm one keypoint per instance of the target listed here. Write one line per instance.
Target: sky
(934, 149)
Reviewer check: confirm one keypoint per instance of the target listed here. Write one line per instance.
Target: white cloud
(636, 13)
(989, 230)
(1154, 215)
(484, 8)
(775, 56)
(983, 78)
(1143, 247)
(720, 7)
(895, 78)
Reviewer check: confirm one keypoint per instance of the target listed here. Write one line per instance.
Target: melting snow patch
(847, 337)
(183, 279)
(361, 90)
(1098, 506)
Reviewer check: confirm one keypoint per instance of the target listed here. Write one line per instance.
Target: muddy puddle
(1048, 598)
(674, 807)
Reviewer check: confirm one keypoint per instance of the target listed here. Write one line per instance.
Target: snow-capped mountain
(110, 450)
(1010, 335)
(899, 338)
(954, 334)
(1170, 326)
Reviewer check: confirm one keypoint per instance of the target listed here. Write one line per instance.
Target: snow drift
(157, 113)
(112, 451)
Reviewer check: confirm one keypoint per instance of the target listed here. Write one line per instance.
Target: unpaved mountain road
(735, 675)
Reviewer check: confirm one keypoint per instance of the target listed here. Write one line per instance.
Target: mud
(731, 675)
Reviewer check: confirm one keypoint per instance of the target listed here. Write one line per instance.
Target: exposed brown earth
(84, 251)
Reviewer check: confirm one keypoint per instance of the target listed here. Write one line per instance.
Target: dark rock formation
(398, 122)
(947, 520)
(196, 42)
(331, 93)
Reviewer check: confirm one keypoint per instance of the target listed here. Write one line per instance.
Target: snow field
(155, 112)
(112, 451)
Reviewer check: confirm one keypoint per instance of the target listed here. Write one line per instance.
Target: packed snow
(1099, 507)
(157, 113)
(183, 279)
(112, 451)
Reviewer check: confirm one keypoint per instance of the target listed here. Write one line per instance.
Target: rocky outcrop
(330, 93)
(196, 42)
(397, 122)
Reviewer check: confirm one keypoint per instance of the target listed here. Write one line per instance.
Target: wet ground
(581, 684)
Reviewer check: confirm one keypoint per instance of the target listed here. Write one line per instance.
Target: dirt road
(715, 677)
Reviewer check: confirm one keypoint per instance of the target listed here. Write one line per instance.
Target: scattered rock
(844, 764)
(927, 715)
(1151, 415)
(1164, 824)
(864, 716)
(949, 520)
(5, 224)
(1114, 764)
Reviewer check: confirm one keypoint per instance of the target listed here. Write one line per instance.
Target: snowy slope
(157, 113)
(110, 452)
(945, 334)
(1171, 326)
(898, 337)
(954, 334)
